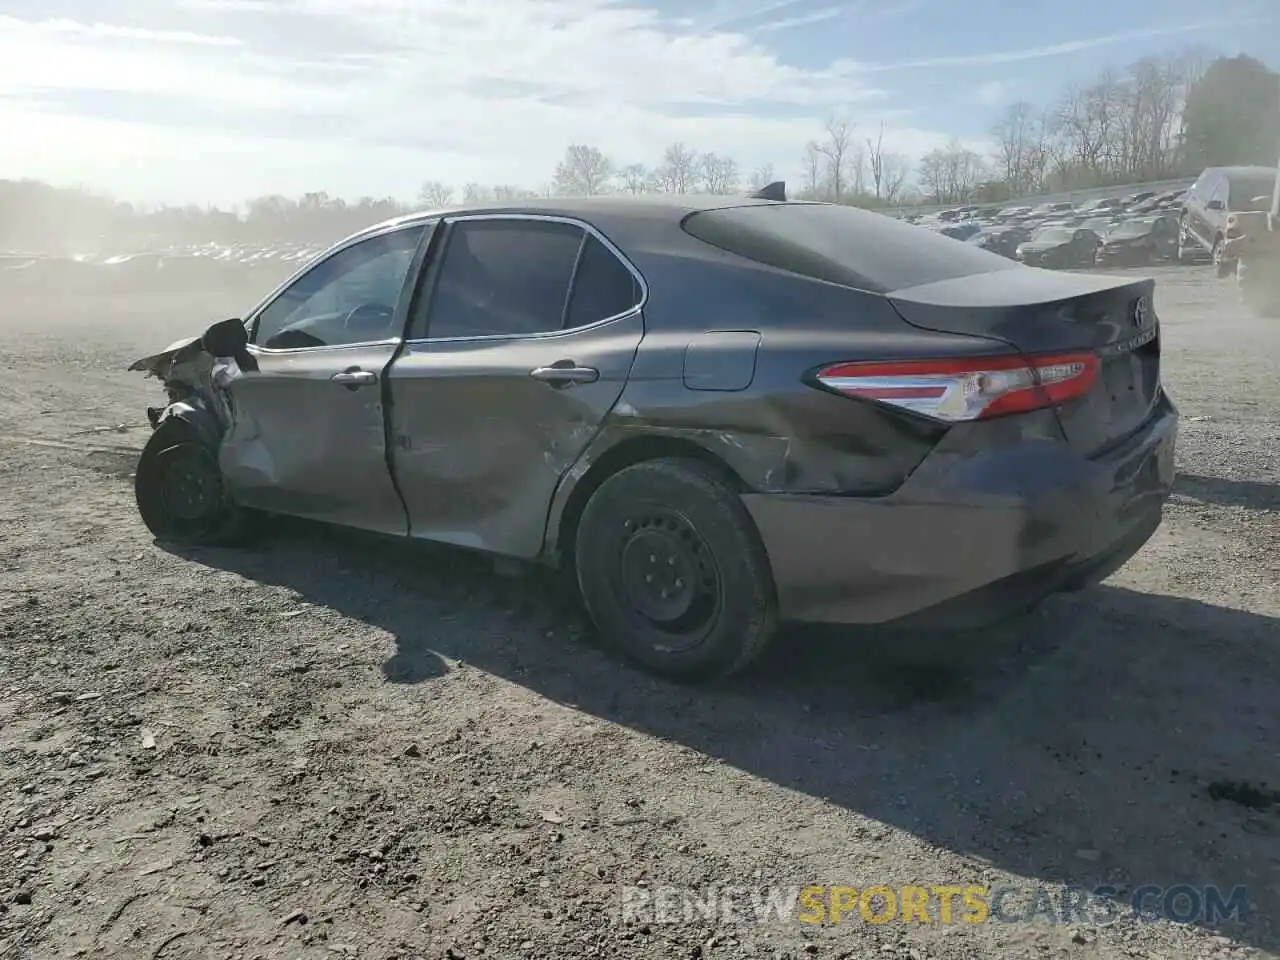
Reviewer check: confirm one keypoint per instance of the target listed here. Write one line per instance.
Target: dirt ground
(324, 746)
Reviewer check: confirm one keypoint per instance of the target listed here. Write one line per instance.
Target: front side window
(348, 298)
(1218, 190)
(502, 277)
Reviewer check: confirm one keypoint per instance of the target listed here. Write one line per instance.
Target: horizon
(214, 102)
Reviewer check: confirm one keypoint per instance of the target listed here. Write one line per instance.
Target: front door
(309, 432)
(520, 344)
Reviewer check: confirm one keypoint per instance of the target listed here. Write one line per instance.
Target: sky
(215, 101)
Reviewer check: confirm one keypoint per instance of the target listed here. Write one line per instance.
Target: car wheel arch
(562, 531)
(186, 421)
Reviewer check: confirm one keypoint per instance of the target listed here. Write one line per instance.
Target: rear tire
(181, 496)
(1222, 267)
(672, 571)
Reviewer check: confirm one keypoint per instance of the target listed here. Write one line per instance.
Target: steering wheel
(369, 315)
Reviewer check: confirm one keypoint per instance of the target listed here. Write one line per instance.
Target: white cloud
(65, 26)
(992, 93)
(1067, 47)
(804, 20)
(219, 99)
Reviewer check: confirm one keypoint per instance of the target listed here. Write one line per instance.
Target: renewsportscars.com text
(941, 904)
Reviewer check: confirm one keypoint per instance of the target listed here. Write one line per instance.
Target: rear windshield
(839, 244)
(1054, 235)
(1251, 193)
(1134, 228)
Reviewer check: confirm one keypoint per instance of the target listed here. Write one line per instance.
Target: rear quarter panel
(777, 433)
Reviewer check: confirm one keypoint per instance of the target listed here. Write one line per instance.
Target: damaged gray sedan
(716, 413)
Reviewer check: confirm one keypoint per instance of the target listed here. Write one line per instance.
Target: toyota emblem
(1140, 310)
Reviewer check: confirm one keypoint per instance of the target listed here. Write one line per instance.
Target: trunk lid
(1045, 312)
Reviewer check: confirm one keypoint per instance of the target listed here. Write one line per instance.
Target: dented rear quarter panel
(774, 431)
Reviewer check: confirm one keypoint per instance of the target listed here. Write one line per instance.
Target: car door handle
(351, 379)
(565, 373)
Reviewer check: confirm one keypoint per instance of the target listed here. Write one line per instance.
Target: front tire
(181, 496)
(1185, 253)
(672, 571)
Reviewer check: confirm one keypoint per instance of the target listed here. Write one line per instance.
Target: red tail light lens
(967, 389)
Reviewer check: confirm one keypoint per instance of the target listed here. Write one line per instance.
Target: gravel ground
(323, 746)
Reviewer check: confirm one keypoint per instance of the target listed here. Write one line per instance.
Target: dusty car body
(1139, 242)
(1218, 193)
(716, 413)
(1003, 240)
(1059, 247)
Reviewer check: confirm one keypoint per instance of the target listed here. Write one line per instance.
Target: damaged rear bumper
(973, 543)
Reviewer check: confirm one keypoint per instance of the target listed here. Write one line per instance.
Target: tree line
(1158, 118)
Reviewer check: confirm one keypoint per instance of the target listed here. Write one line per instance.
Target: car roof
(633, 222)
(664, 208)
(1245, 171)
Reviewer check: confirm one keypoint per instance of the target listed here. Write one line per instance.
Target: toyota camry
(714, 413)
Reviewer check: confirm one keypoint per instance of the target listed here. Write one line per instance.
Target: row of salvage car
(1137, 230)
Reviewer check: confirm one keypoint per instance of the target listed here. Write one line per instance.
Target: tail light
(967, 389)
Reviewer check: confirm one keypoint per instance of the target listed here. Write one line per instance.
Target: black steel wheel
(671, 569)
(180, 493)
(667, 573)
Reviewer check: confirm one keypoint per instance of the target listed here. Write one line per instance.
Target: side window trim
(573, 280)
(428, 286)
(428, 227)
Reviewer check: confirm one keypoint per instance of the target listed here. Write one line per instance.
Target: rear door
(308, 436)
(520, 342)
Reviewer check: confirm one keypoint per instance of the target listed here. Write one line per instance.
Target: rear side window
(603, 287)
(502, 277)
(1251, 193)
(839, 244)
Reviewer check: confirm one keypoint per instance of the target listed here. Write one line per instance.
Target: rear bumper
(971, 539)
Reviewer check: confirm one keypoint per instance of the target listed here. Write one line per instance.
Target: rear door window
(844, 245)
(603, 286)
(501, 277)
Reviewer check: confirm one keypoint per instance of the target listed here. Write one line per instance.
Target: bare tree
(894, 170)
(812, 169)
(507, 193)
(435, 194)
(584, 172)
(761, 177)
(679, 169)
(719, 174)
(875, 161)
(635, 178)
(474, 193)
(836, 148)
(1016, 144)
(952, 174)
(1125, 126)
